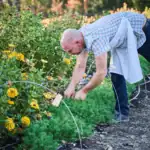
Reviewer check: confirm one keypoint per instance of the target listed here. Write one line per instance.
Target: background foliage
(82, 6)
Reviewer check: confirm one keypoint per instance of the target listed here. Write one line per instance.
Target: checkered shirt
(98, 34)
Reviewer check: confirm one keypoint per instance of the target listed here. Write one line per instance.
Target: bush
(34, 40)
(22, 99)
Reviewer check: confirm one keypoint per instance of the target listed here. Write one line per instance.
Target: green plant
(34, 40)
(20, 95)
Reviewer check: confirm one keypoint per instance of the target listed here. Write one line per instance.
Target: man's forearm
(77, 75)
(94, 82)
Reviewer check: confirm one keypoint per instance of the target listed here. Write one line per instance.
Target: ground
(132, 135)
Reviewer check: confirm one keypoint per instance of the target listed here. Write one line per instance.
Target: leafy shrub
(34, 40)
(20, 93)
(61, 127)
(49, 134)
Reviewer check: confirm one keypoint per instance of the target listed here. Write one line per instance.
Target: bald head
(70, 34)
(72, 41)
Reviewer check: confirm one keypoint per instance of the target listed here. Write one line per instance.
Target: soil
(132, 135)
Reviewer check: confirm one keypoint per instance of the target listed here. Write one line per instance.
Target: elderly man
(124, 34)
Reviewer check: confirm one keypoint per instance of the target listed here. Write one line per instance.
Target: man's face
(72, 48)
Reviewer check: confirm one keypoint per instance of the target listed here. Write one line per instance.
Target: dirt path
(133, 135)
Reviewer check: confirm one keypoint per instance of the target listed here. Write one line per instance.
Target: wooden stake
(57, 100)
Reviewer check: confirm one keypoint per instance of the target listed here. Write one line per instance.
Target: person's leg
(119, 83)
(120, 92)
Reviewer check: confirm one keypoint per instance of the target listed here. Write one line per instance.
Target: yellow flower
(6, 51)
(49, 95)
(49, 78)
(25, 121)
(10, 102)
(34, 104)
(20, 57)
(67, 61)
(84, 75)
(13, 54)
(9, 124)
(24, 76)
(11, 45)
(12, 92)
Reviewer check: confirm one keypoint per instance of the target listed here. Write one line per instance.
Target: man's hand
(69, 92)
(80, 95)
(77, 74)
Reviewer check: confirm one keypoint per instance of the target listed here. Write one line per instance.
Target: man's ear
(78, 42)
